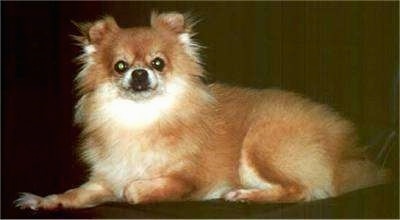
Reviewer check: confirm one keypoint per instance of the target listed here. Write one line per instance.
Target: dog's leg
(289, 160)
(158, 189)
(280, 165)
(87, 195)
(264, 183)
(276, 193)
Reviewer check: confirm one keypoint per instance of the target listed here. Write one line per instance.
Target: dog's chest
(126, 163)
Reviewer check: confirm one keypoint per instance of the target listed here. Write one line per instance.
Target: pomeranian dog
(153, 131)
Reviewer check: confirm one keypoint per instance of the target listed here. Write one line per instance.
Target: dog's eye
(158, 63)
(121, 66)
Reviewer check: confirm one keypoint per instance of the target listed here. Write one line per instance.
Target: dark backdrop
(344, 54)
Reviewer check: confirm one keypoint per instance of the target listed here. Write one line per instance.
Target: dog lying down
(152, 131)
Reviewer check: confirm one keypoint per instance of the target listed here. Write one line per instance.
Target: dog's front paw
(131, 194)
(240, 195)
(28, 201)
(34, 202)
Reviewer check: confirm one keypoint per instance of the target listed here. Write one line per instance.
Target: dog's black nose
(140, 80)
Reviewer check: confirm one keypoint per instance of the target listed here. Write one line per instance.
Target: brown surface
(344, 54)
(365, 203)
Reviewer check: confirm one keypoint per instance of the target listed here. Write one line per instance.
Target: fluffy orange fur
(199, 142)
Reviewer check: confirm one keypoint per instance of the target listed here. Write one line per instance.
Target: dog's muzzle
(140, 80)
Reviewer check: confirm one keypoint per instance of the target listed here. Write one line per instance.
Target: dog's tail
(366, 171)
(387, 143)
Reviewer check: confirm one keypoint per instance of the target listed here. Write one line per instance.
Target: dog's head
(140, 62)
(138, 75)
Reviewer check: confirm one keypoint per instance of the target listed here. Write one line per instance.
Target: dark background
(344, 54)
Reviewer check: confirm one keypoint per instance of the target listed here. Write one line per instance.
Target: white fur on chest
(131, 147)
(126, 130)
(137, 114)
(128, 113)
(124, 164)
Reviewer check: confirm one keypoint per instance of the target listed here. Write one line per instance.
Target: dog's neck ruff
(137, 114)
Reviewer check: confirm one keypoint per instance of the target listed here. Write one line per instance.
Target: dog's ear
(182, 26)
(171, 21)
(95, 32)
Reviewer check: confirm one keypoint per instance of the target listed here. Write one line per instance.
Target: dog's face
(140, 63)
(135, 76)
